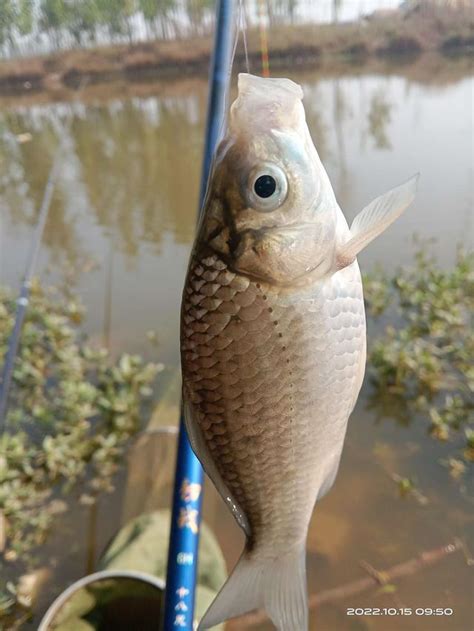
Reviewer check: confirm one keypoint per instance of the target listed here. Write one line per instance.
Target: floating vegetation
(72, 412)
(424, 356)
(407, 487)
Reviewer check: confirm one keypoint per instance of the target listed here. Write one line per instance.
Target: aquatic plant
(424, 355)
(72, 412)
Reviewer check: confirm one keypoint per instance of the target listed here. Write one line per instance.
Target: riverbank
(393, 35)
(429, 68)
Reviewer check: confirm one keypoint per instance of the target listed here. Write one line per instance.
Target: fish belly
(271, 376)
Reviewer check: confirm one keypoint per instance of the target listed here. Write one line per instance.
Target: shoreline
(428, 68)
(396, 39)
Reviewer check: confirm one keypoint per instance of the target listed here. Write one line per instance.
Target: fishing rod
(189, 477)
(25, 290)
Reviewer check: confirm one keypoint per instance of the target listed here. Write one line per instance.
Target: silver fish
(273, 340)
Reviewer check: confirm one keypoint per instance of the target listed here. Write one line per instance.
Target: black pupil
(265, 186)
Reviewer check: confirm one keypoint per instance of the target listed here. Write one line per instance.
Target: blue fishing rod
(189, 477)
(24, 297)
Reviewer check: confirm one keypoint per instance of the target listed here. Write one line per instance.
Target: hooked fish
(273, 340)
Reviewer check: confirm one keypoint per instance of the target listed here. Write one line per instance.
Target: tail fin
(278, 586)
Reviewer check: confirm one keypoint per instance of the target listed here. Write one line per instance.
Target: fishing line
(240, 27)
(243, 30)
(264, 41)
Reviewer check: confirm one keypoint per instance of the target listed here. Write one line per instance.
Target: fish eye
(267, 187)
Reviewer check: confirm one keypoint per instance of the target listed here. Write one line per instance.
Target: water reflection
(379, 118)
(129, 165)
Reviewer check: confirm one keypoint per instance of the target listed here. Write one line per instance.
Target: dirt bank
(427, 69)
(396, 35)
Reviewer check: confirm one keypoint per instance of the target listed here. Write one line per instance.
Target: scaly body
(273, 376)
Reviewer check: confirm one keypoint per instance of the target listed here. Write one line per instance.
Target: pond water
(123, 220)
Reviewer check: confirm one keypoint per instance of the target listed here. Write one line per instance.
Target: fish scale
(287, 380)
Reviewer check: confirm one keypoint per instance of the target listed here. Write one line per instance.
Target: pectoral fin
(375, 218)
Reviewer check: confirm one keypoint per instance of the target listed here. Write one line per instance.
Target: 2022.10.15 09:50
(402, 611)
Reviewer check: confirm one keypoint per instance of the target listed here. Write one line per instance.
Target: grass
(72, 413)
(424, 356)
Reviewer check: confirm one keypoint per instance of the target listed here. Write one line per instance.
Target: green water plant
(424, 354)
(73, 409)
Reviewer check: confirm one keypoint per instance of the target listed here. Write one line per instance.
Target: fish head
(270, 210)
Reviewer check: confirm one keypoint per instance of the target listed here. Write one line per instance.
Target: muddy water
(121, 225)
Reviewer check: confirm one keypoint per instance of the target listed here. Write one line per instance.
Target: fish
(273, 340)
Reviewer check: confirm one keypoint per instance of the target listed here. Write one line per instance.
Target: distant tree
(379, 118)
(82, 19)
(286, 9)
(53, 13)
(7, 21)
(53, 18)
(24, 18)
(157, 10)
(269, 9)
(149, 10)
(129, 8)
(115, 15)
(291, 6)
(196, 10)
(166, 9)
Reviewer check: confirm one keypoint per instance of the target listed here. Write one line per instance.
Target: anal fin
(202, 452)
